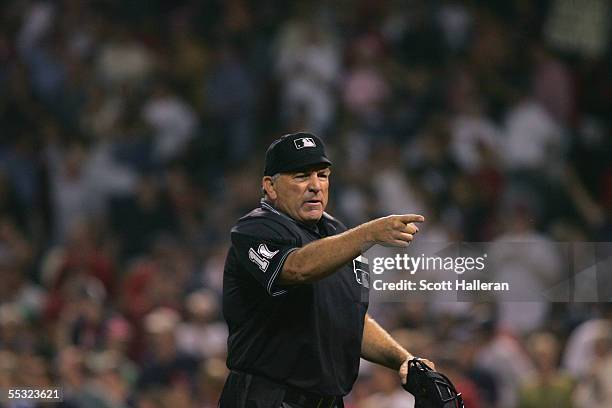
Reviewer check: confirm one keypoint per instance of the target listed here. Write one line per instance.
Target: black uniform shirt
(307, 336)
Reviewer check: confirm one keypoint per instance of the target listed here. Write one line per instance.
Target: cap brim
(307, 162)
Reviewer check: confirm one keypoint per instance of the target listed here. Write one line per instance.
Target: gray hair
(263, 190)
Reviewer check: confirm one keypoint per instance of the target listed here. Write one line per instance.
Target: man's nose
(314, 183)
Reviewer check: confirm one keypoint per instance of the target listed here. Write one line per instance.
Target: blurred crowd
(132, 135)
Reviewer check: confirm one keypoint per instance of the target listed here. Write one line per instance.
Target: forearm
(380, 348)
(323, 257)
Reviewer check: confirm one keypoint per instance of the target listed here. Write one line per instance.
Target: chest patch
(361, 270)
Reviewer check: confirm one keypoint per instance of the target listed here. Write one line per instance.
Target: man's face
(302, 195)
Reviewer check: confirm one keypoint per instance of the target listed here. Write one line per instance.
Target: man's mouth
(313, 201)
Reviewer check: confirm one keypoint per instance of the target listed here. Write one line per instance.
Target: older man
(295, 291)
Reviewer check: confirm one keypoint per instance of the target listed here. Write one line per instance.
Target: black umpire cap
(294, 151)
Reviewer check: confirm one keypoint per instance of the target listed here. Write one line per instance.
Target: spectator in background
(466, 214)
(588, 343)
(550, 388)
(136, 297)
(187, 61)
(14, 331)
(186, 199)
(471, 133)
(308, 67)
(484, 381)
(138, 220)
(75, 196)
(537, 270)
(82, 318)
(71, 373)
(33, 371)
(16, 264)
(503, 356)
(123, 59)
(118, 335)
(200, 334)
(365, 88)
(387, 393)
(455, 20)
(113, 176)
(418, 39)
(230, 104)
(594, 390)
(395, 193)
(552, 86)
(535, 141)
(46, 61)
(211, 275)
(164, 364)
(20, 168)
(8, 365)
(105, 388)
(172, 120)
(429, 159)
(67, 268)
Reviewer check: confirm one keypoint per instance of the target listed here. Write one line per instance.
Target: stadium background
(132, 135)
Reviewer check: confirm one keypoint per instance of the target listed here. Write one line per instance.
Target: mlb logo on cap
(304, 142)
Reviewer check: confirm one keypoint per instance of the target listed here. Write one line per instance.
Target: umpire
(295, 291)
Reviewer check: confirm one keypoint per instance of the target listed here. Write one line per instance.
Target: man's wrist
(405, 357)
(364, 234)
(367, 238)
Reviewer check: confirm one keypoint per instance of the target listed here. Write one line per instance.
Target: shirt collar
(267, 206)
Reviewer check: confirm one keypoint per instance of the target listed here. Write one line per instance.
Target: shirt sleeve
(263, 256)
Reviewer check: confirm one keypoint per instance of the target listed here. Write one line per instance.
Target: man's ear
(268, 185)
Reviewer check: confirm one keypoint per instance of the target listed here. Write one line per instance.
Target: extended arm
(323, 257)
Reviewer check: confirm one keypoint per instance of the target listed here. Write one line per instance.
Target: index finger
(408, 218)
